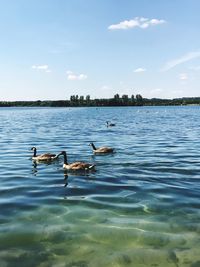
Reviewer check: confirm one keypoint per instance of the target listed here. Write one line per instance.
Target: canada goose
(110, 124)
(101, 150)
(43, 157)
(76, 166)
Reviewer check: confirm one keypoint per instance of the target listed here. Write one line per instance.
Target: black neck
(65, 158)
(34, 152)
(93, 146)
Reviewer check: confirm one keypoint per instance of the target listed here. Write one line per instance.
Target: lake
(140, 208)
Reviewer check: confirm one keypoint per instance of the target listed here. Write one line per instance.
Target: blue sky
(53, 49)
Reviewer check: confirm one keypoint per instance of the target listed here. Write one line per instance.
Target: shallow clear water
(140, 208)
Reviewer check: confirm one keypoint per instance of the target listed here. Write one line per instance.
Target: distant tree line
(117, 100)
(124, 100)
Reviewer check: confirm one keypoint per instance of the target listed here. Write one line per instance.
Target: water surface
(140, 208)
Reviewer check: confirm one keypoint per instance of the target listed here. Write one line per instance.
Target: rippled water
(140, 208)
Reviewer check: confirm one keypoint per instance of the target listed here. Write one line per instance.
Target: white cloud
(136, 22)
(75, 77)
(187, 57)
(139, 70)
(183, 76)
(69, 72)
(41, 68)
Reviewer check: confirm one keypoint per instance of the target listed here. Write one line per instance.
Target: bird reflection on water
(65, 179)
(34, 169)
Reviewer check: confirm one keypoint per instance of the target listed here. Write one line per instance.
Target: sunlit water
(140, 208)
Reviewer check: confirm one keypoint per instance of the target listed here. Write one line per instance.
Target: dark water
(141, 207)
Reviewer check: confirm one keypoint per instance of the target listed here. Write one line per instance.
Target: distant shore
(123, 101)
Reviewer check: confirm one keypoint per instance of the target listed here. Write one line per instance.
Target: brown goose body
(76, 166)
(101, 150)
(42, 157)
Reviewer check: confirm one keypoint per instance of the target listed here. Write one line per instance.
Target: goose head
(64, 153)
(92, 145)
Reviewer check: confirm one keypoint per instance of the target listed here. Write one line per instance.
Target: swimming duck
(76, 166)
(109, 124)
(101, 150)
(43, 157)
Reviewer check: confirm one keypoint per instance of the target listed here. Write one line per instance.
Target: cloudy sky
(53, 49)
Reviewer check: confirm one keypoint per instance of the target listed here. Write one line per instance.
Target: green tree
(76, 98)
(72, 98)
(88, 99)
(139, 100)
(132, 100)
(81, 100)
(125, 99)
(116, 100)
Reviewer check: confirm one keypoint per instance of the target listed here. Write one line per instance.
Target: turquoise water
(140, 208)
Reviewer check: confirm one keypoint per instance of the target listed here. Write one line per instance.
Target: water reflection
(36, 164)
(34, 169)
(65, 179)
